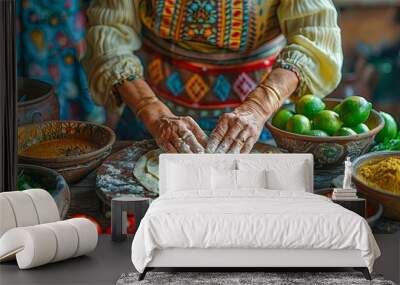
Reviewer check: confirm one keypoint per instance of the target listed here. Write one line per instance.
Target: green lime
(316, 133)
(361, 128)
(343, 132)
(336, 108)
(309, 106)
(281, 117)
(298, 124)
(389, 130)
(354, 110)
(327, 121)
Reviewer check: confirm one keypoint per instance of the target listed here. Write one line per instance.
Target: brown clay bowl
(75, 160)
(329, 151)
(389, 200)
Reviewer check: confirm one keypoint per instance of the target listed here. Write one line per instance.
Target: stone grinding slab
(114, 177)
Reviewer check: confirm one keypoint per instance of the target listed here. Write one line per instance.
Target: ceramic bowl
(37, 102)
(390, 200)
(329, 151)
(50, 181)
(82, 146)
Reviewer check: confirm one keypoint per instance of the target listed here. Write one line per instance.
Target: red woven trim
(210, 69)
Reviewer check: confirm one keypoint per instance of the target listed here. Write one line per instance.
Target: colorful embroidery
(168, 12)
(228, 24)
(200, 23)
(196, 88)
(222, 88)
(243, 85)
(155, 71)
(175, 84)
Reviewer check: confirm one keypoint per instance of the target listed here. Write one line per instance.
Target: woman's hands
(179, 134)
(172, 133)
(238, 131)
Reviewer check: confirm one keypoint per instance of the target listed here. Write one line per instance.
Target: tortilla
(146, 170)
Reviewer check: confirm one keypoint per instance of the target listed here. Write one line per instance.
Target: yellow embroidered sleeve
(313, 44)
(111, 39)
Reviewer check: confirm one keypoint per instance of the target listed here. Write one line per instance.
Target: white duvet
(253, 218)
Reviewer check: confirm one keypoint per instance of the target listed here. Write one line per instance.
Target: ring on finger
(186, 135)
(241, 139)
(181, 142)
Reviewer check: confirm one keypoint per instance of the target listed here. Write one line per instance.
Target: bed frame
(241, 259)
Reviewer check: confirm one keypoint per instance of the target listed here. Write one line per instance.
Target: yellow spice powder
(384, 173)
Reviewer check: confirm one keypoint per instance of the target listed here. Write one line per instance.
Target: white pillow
(279, 180)
(224, 179)
(183, 178)
(251, 178)
(282, 174)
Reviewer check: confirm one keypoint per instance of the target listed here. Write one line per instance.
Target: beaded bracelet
(291, 67)
(119, 83)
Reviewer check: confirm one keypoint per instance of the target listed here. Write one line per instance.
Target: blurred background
(51, 33)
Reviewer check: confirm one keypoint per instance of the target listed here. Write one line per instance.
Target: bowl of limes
(330, 129)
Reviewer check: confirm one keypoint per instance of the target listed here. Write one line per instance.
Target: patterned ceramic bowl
(390, 200)
(72, 148)
(329, 151)
(51, 181)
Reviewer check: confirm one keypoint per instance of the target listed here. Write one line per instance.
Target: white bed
(209, 226)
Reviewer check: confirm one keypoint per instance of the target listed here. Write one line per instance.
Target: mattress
(250, 219)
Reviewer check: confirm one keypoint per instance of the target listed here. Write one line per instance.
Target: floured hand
(238, 131)
(180, 135)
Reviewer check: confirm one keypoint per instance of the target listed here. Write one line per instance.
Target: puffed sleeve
(111, 39)
(313, 44)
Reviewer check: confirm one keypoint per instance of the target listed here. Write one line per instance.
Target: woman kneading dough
(184, 69)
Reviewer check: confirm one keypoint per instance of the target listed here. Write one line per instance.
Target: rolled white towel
(23, 209)
(87, 235)
(26, 208)
(46, 207)
(40, 244)
(7, 218)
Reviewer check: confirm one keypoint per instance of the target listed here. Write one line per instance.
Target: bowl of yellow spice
(377, 175)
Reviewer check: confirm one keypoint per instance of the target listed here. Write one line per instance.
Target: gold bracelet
(272, 89)
(273, 100)
(145, 103)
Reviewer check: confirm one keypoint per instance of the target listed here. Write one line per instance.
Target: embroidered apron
(202, 58)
